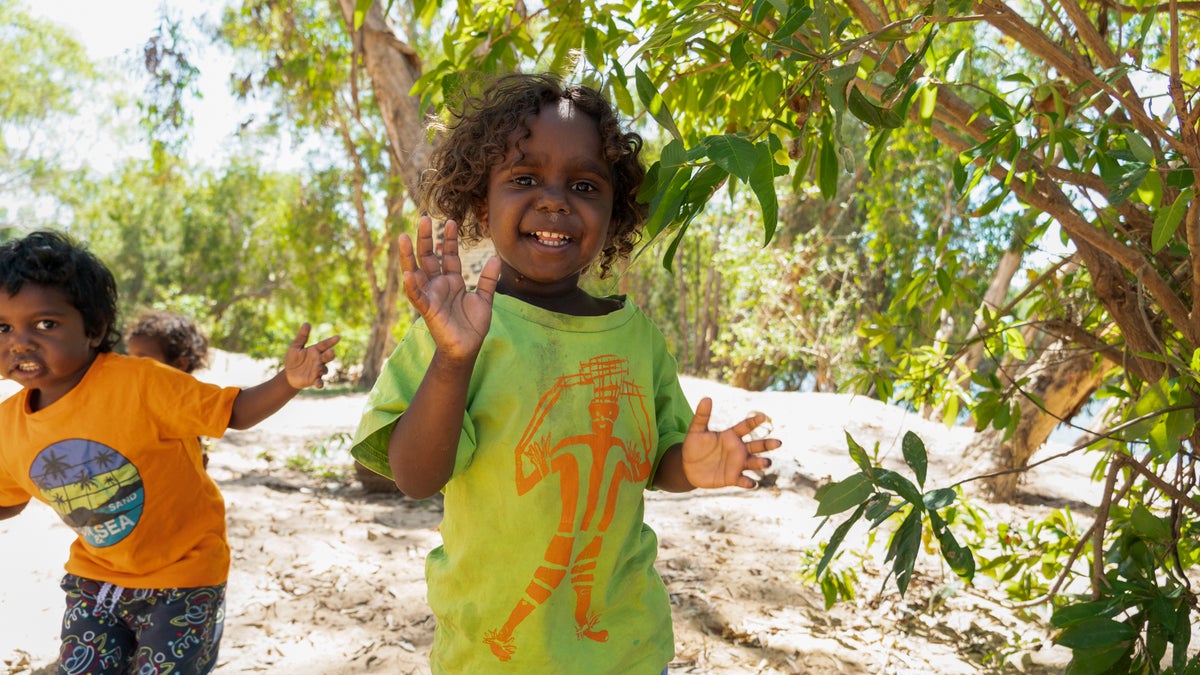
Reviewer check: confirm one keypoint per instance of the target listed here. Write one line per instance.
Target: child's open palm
(457, 319)
(303, 365)
(714, 459)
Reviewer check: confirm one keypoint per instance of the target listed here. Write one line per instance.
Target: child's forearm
(670, 477)
(424, 442)
(259, 402)
(7, 512)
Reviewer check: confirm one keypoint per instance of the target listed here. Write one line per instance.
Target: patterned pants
(113, 630)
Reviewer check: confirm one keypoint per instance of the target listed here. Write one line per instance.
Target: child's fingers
(451, 264)
(325, 347)
(744, 481)
(489, 277)
(426, 254)
(751, 423)
(703, 413)
(764, 445)
(302, 336)
(408, 256)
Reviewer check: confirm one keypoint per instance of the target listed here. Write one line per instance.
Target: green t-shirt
(546, 564)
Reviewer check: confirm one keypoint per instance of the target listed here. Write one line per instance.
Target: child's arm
(302, 367)
(423, 444)
(7, 512)
(713, 459)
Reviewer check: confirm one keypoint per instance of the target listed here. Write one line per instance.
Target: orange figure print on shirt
(538, 456)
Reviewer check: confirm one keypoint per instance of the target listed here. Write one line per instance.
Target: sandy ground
(327, 578)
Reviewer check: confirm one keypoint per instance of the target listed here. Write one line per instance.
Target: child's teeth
(552, 238)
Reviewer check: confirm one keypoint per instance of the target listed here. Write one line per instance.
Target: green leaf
(903, 549)
(666, 204)
(1139, 147)
(877, 506)
(1168, 220)
(827, 168)
(762, 182)
(733, 153)
(360, 12)
(737, 51)
(1095, 660)
(1149, 526)
(939, 499)
(1095, 633)
(865, 109)
(859, 455)
(654, 103)
(915, 455)
(673, 154)
(959, 557)
(836, 540)
(1073, 614)
(793, 22)
(836, 80)
(837, 497)
(900, 485)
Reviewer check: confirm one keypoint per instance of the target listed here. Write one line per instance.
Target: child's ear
(95, 340)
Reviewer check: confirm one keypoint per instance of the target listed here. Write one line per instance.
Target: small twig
(1158, 482)
(1100, 435)
(1099, 526)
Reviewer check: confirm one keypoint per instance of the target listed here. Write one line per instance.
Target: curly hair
(53, 260)
(477, 139)
(180, 340)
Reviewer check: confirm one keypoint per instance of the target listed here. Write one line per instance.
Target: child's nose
(19, 342)
(553, 200)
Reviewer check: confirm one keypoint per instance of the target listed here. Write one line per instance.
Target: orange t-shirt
(118, 459)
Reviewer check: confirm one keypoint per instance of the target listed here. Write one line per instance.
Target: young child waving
(109, 441)
(542, 412)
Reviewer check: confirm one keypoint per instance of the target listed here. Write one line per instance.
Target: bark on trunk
(393, 67)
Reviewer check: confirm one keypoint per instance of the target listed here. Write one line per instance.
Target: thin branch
(1099, 526)
(1075, 553)
(1109, 434)
(1158, 482)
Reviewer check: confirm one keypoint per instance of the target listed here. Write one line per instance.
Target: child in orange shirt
(108, 441)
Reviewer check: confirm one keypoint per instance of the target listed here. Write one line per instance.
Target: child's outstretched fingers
(305, 366)
(489, 277)
(718, 459)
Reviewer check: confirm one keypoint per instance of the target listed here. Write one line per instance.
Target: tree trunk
(1062, 378)
(393, 68)
(387, 299)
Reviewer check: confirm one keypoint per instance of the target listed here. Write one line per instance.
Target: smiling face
(549, 205)
(43, 344)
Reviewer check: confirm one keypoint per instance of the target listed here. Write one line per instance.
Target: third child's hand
(713, 459)
(303, 365)
(457, 319)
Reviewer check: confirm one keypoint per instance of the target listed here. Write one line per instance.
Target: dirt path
(328, 579)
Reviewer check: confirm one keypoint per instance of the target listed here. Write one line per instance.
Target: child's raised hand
(457, 319)
(305, 366)
(713, 459)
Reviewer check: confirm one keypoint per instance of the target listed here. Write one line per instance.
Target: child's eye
(585, 187)
(46, 324)
(4, 328)
(523, 180)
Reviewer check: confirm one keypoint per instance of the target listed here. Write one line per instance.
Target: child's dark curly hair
(53, 260)
(182, 344)
(477, 138)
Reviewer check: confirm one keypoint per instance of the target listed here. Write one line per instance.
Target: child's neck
(575, 302)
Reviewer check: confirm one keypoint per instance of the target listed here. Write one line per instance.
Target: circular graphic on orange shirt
(95, 489)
